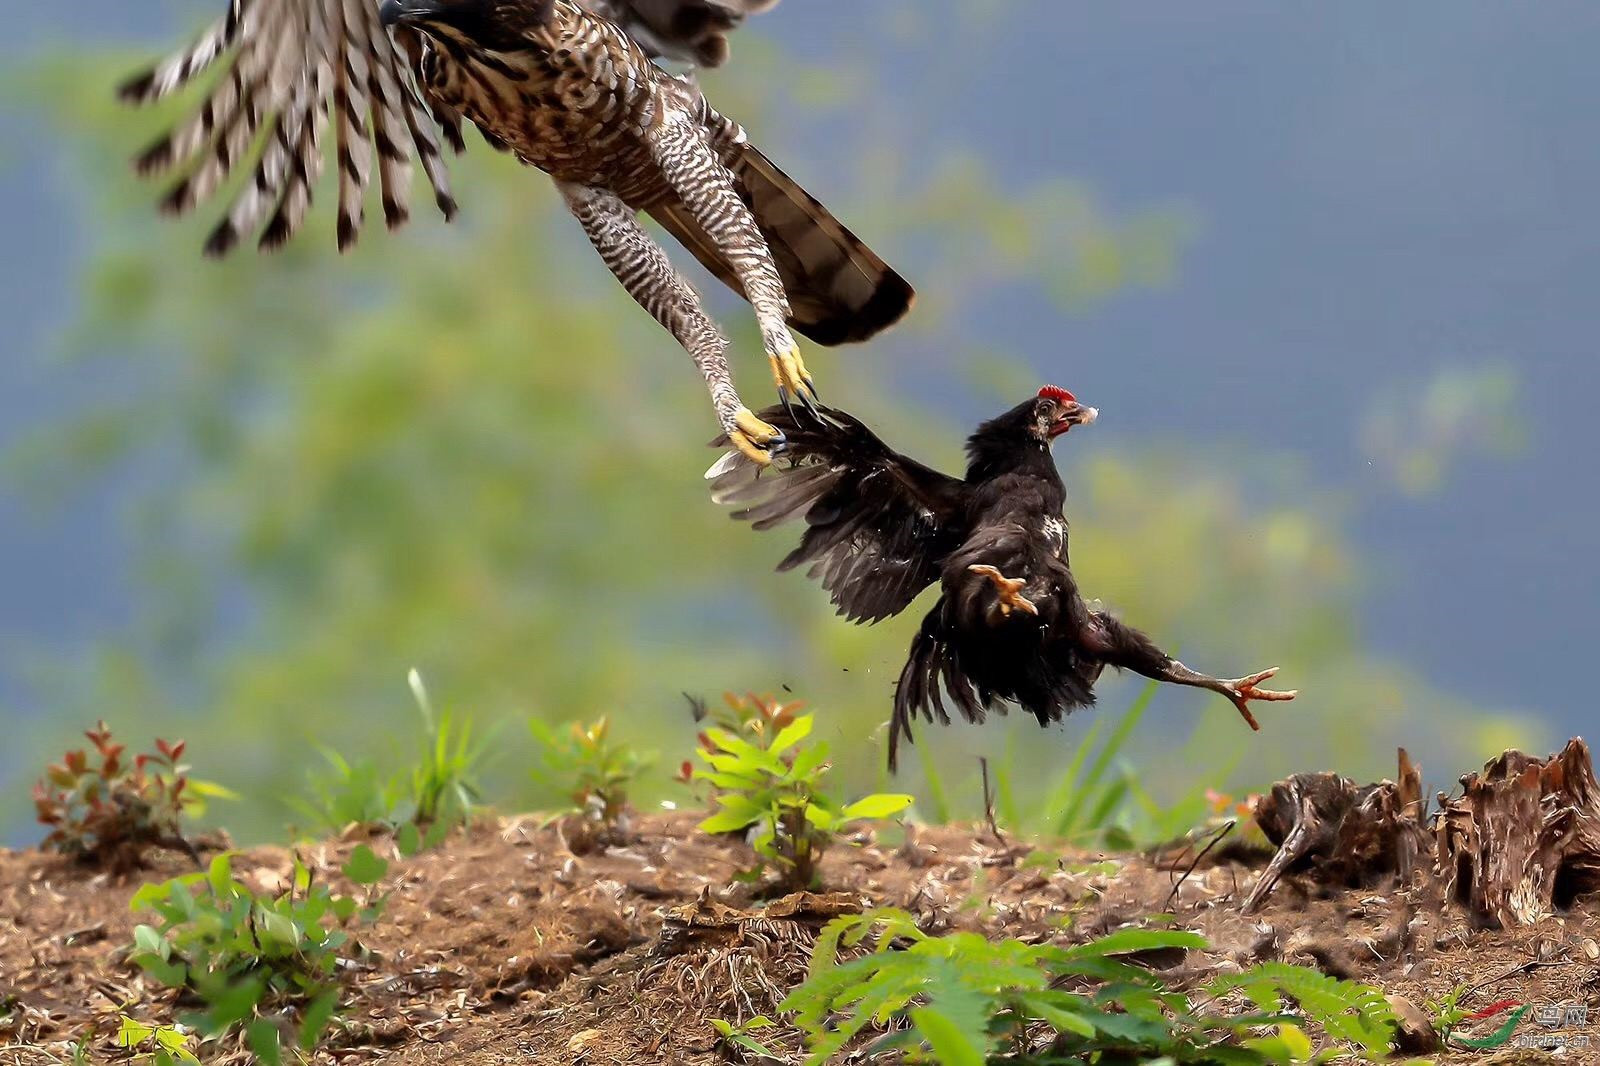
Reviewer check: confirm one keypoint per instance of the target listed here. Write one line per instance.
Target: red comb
(1057, 393)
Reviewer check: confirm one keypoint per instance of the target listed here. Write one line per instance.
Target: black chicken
(1011, 624)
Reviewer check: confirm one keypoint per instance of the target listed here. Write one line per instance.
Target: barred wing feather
(288, 69)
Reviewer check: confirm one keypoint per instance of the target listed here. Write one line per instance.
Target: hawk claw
(1241, 690)
(790, 373)
(757, 440)
(805, 398)
(808, 398)
(1009, 589)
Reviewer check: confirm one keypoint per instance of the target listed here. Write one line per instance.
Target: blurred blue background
(1327, 270)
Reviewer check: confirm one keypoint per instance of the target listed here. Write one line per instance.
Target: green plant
(162, 1045)
(938, 808)
(960, 999)
(731, 1037)
(772, 783)
(1348, 1012)
(444, 780)
(585, 764)
(1101, 799)
(353, 793)
(758, 718)
(1089, 794)
(249, 957)
(109, 810)
(421, 802)
(1446, 1012)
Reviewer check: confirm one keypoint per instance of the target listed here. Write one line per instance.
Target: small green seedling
(444, 780)
(772, 786)
(1446, 1012)
(108, 810)
(585, 764)
(160, 1045)
(732, 1037)
(248, 957)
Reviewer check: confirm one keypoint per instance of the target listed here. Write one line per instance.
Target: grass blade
(1108, 752)
(938, 799)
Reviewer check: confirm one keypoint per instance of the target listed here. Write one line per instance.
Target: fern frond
(1348, 1012)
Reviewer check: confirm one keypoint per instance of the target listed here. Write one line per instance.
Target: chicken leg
(1120, 645)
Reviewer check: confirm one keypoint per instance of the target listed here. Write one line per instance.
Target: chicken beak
(1073, 414)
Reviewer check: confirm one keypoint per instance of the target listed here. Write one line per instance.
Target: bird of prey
(570, 87)
(1010, 625)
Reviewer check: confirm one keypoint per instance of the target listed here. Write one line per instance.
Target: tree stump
(1524, 837)
(1348, 833)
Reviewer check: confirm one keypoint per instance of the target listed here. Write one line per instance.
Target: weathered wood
(1523, 838)
(1345, 833)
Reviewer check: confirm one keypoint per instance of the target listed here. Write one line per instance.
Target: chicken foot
(1009, 590)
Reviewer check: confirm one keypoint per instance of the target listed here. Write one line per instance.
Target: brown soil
(505, 947)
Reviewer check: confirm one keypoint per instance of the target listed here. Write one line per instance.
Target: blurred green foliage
(1417, 434)
(463, 447)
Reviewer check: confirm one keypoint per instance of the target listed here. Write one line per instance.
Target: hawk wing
(878, 523)
(289, 68)
(690, 31)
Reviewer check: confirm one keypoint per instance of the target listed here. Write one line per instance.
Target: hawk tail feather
(839, 290)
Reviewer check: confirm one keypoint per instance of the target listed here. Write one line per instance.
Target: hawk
(571, 87)
(1010, 624)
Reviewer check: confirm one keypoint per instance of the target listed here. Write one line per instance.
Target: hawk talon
(790, 374)
(807, 398)
(1009, 589)
(758, 440)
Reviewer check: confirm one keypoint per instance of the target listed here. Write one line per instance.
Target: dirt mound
(504, 946)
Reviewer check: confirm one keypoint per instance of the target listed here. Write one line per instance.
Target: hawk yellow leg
(1010, 590)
